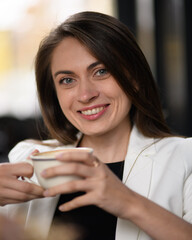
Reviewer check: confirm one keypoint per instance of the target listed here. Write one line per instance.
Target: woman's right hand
(13, 190)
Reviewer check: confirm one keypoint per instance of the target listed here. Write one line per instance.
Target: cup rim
(39, 156)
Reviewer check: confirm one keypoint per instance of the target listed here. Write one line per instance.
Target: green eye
(101, 72)
(66, 81)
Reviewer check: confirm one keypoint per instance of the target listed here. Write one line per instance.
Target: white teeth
(92, 111)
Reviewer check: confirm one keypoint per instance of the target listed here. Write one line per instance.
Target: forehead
(70, 52)
(70, 48)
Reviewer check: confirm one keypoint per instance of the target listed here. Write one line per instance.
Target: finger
(68, 168)
(69, 187)
(13, 196)
(8, 201)
(83, 200)
(21, 186)
(16, 169)
(83, 157)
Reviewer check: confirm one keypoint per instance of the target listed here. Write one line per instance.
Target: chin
(94, 133)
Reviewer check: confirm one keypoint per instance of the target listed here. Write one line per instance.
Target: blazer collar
(137, 175)
(139, 152)
(139, 142)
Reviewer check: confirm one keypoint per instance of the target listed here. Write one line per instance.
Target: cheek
(126, 103)
(66, 102)
(62, 99)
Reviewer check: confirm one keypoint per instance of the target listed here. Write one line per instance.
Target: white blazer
(159, 169)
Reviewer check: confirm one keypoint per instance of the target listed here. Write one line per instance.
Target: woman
(96, 90)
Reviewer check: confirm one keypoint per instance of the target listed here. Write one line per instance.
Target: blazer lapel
(139, 163)
(137, 176)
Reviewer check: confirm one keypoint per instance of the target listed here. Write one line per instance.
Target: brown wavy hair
(111, 42)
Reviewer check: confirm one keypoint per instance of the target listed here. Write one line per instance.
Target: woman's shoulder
(175, 153)
(177, 146)
(175, 142)
(24, 148)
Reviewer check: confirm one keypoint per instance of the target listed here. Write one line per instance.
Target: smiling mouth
(93, 111)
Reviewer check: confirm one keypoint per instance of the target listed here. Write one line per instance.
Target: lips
(94, 110)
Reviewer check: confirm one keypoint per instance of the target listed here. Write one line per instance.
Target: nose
(87, 92)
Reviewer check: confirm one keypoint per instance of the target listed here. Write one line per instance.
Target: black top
(93, 222)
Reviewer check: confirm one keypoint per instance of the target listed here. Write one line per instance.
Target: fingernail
(61, 208)
(46, 193)
(59, 156)
(43, 173)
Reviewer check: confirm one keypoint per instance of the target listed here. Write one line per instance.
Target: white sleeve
(23, 149)
(187, 189)
(19, 154)
(187, 201)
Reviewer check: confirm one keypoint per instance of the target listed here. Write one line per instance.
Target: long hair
(111, 42)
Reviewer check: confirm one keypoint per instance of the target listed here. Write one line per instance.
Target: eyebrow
(91, 66)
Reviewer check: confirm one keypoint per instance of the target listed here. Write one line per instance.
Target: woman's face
(89, 96)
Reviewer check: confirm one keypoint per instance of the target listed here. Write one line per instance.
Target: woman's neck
(109, 147)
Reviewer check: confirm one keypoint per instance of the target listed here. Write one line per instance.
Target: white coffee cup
(44, 160)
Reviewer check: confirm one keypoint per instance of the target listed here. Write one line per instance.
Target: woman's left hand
(102, 188)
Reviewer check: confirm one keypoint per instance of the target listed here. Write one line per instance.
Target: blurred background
(163, 31)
